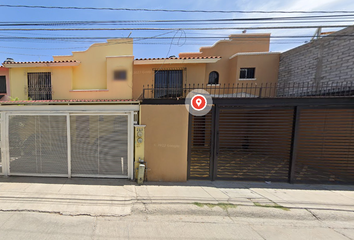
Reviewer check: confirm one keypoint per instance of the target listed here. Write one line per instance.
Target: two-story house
(75, 115)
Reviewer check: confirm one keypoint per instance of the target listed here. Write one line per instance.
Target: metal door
(253, 143)
(99, 145)
(38, 145)
(325, 146)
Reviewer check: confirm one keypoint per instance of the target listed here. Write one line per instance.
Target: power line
(43, 23)
(248, 38)
(171, 29)
(164, 10)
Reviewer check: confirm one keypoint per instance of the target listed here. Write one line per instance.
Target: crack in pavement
(65, 214)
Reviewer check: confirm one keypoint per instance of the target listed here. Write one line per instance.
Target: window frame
(217, 79)
(246, 77)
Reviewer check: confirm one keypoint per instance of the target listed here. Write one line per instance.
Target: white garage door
(93, 145)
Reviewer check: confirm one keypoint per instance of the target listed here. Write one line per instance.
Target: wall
(61, 79)
(237, 43)
(266, 70)
(166, 141)
(92, 72)
(322, 61)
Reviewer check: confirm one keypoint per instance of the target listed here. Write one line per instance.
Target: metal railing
(254, 90)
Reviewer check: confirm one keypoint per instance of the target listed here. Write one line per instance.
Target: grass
(271, 206)
(223, 206)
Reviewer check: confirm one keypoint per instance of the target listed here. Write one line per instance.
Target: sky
(44, 49)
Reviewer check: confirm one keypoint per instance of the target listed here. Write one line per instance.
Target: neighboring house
(4, 83)
(104, 71)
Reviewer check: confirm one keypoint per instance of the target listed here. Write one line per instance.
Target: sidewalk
(109, 197)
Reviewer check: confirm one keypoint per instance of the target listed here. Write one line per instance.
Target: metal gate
(325, 145)
(254, 144)
(295, 144)
(69, 144)
(245, 144)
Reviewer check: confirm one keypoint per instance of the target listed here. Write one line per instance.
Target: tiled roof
(68, 101)
(65, 61)
(180, 58)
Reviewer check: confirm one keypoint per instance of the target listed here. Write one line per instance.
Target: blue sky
(35, 50)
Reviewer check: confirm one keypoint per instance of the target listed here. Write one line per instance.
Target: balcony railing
(254, 90)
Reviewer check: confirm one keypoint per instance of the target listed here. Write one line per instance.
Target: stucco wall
(92, 72)
(329, 59)
(166, 141)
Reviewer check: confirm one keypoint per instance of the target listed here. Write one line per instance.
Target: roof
(41, 63)
(8, 62)
(68, 101)
(176, 60)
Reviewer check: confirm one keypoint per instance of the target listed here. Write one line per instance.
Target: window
(39, 86)
(213, 78)
(120, 75)
(247, 73)
(2, 84)
(168, 83)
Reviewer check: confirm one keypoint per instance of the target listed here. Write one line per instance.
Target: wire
(170, 29)
(168, 21)
(248, 38)
(164, 10)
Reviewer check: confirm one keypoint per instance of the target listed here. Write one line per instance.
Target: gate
(325, 146)
(254, 143)
(69, 144)
(296, 144)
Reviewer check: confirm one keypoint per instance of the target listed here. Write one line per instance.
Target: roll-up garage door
(99, 145)
(325, 151)
(254, 144)
(38, 145)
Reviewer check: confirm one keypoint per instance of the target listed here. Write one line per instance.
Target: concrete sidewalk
(108, 197)
(59, 208)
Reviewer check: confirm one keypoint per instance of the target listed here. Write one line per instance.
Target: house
(241, 59)
(78, 112)
(97, 112)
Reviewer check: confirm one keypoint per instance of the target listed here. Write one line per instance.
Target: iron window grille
(39, 86)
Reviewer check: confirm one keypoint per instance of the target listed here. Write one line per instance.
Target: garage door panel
(38, 144)
(99, 145)
(254, 144)
(325, 150)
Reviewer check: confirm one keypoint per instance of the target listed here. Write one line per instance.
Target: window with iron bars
(39, 86)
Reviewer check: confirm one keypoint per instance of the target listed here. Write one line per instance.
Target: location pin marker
(198, 101)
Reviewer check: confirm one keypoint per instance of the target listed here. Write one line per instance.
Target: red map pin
(198, 102)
